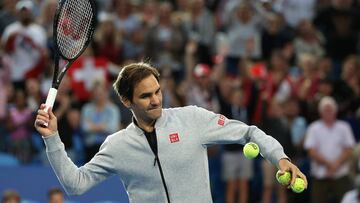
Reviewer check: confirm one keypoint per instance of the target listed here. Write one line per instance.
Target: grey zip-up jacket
(183, 135)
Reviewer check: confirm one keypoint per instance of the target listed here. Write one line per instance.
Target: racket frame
(58, 75)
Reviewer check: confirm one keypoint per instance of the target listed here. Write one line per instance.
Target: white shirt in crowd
(28, 43)
(351, 196)
(329, 143)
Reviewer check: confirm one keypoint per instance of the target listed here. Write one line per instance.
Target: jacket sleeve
(77, 180)
(217, 129)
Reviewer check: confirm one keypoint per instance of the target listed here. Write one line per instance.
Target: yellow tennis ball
(298, 186)
(283, 179)
(251, 150)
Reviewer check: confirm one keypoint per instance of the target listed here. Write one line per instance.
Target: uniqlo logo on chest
(174, 137)
(221, 120)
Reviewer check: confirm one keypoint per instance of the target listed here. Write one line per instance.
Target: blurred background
(265, 62)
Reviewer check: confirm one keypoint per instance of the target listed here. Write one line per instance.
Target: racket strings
(74, 26)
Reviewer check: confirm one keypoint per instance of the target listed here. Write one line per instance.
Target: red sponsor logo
(221, 120)
(174, 137)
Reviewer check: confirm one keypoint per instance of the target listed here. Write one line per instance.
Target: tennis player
(162, 155)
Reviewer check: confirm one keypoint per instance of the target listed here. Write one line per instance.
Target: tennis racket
(74, 25)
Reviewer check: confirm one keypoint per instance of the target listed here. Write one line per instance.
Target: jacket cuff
(277, 156)
(53, 142)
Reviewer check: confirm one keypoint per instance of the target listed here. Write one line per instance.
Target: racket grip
(50, 101)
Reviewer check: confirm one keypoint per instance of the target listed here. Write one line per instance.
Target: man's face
(25, 16)
(328, 113)
(147, 100)
(13, 200)
(57, 198)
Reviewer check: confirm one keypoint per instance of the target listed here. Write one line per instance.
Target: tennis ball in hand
(283, 179)
(298, 186)
(251, 150)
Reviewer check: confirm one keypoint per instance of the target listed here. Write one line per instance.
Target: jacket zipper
(156, 159)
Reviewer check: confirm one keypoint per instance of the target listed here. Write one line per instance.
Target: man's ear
(126, 102)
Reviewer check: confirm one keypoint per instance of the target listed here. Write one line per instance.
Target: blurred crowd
(54, 195)
(291, 67)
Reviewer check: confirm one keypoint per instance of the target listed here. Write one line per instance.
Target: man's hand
(332, 169)
(45, 117)
(286, 165)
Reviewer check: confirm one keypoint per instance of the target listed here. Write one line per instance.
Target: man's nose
(155, 100)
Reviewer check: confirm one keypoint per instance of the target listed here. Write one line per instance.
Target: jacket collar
(160, 123)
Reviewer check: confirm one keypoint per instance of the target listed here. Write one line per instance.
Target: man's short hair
(53, 191)
(130, 76)
(10, 195)
(327, 101)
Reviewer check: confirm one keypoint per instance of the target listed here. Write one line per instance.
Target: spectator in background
(24, 43)
(46, 19)
(243, 33)
(325, 88)
(104, 5)
(325, 66)
(274, 123)
(56, 195)
(274, 36)
(126, 20)
(7, 14)
(347, 93)
(19, 127)
(294, 10)
(201, 29)
(237, 170)
(353, 196)
(199, 86)
(308, 40)
(307, 85)
(171, 96)
(165, 41)
(341, 43)
(347, 88)
(279, 83)
(201, 89)
(4, 97)
(99, 118)
(340, 24)
(276, 84)
(10, 196)
(326, 18)
(296, 124)
(329, 143)
(135, 45)
(149, 13)
(33, 93)
(108, 40)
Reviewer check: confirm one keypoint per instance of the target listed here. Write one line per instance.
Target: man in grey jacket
(162, 155)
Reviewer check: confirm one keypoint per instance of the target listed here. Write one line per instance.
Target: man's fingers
(51, 113)
(40, 123)
(41, 120)
(42, 106)
(294, 172)
(42, 113)
(302, 176)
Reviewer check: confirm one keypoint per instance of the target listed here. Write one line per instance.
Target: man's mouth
(153, 108)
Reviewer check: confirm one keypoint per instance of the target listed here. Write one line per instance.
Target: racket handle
(50, 100)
